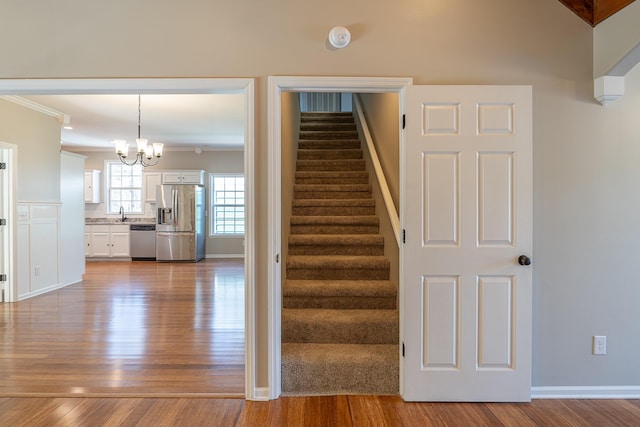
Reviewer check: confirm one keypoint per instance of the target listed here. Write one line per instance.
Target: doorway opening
(277, 86)
(175, 86)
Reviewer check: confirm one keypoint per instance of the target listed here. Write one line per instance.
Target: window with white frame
(124, 188)
(227, 205)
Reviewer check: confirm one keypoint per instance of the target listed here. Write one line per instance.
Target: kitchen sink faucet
(122, 217)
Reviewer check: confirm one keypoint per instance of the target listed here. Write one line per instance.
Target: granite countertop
(99, 221)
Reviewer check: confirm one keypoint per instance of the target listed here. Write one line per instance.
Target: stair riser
(344, 303)
(336, 250)
(330, 154)
(337, 135)
(326, 120)
(370, 332)
(328, 180)
(329, 144)
(327, 127)
(332, 195)
(327, 378)
(329, 165)
(334, 229)
(341, 274)
(333, 211)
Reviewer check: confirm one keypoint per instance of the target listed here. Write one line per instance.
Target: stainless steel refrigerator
(180, 226)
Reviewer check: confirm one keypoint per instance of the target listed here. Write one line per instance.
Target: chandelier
(146, 152)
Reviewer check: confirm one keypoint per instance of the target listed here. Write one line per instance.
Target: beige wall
(381, 112)
(37, 137)
(209, 161)
(289, 149)
(586, 157)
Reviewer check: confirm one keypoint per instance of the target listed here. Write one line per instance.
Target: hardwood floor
(344, 411)
(153, 344)
(130, 329)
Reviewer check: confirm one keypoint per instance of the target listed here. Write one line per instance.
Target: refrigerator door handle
(174, 196)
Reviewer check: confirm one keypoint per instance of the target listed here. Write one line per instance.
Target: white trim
(245, 86)
(61, 117)
(392, 213)
(10, 247)
(277, 85)
(261, 393)
(607, 89)
(586, 392)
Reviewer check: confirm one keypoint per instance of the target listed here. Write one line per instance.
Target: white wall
(72, 265)
(586, 156)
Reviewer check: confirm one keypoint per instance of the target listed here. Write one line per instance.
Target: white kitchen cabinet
(183, 177)
(92, 186)
(107, 241)
(151, 181)
(119, 239)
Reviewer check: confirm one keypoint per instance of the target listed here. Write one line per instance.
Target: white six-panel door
(466, 212)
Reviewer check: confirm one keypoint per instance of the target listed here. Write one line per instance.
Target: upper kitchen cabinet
(183, 177)
(92, 186)
(151, 182)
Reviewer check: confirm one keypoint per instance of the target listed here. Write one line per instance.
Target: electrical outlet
(599, 344)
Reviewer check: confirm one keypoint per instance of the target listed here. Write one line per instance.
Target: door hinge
(3, 221)
(404, 236)
(3, 165)
(277, 258)
(3, 277)
(404, 121)
(403, 349)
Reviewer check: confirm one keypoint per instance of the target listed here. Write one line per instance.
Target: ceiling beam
(595, 11)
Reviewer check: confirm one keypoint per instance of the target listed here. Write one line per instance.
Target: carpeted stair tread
(337, 267)
(339, 288)
(333, 207)
(332, 191)
(336, 239)
(339, 294)
(334, 224)
(338, 262)
(362, 326)
(331, 165)
(327, 126)
(338, 154)
(331, 134)
(340, 177)
(334, 369)
(338, 220)
(343, 203)
(336, 244)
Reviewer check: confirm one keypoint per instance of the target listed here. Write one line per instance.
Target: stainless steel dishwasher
(143, 242)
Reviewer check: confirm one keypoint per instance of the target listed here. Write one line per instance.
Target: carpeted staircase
(339, 318)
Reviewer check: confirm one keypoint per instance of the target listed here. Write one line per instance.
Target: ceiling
(180, 121)
(595, 11)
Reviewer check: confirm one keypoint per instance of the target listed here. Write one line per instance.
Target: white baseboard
(43, 291)
(586, 392)
(261, 394)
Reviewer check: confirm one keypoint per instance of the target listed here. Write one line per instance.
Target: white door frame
(276, 86)
(168, 86)
(8, 246)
